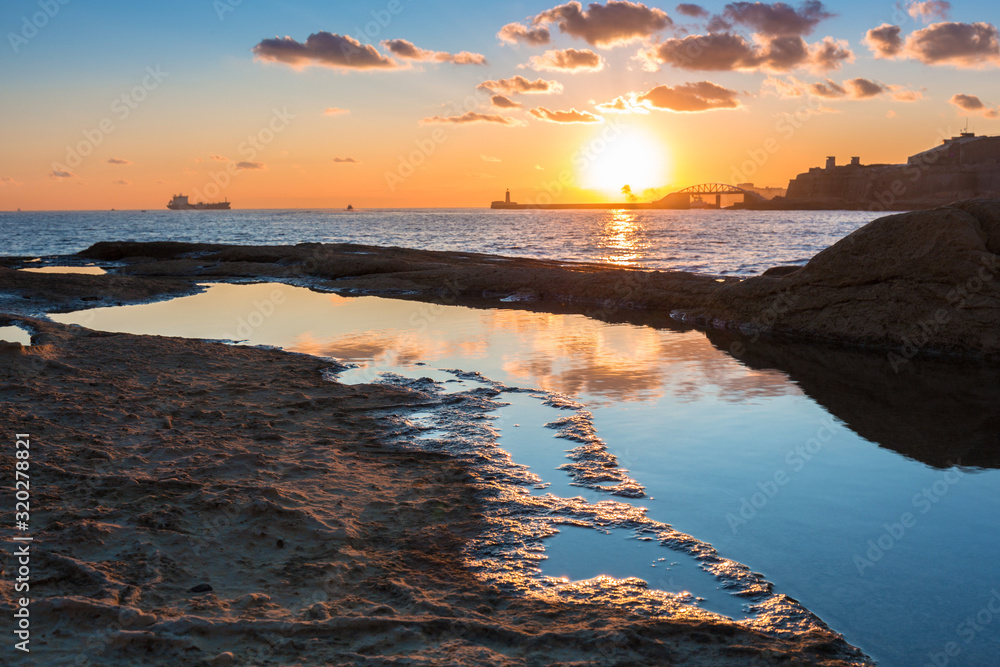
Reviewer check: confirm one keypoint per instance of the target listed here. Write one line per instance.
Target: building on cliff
(962, 167)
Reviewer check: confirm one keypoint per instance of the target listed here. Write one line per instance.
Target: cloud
(694, 11)
(928, 11)
(690, 97)
(778, 19)
(516, 33)
(407, 50)
(322, 49)
(971, 103)
(219, 158)
(884, 41)
(725, 51)
(121, 182)
(489, 158)
(58, 173)
(786, 88)
(347, 160)
(862, 89)
(571, 116)
(334, 111)
(469, 117)
(539, 167)
(501, 102)
(251, 165)
(7, 180)
(616, 23)
(828, 89)
(967, 45)
(476, 174)
(567, 60)
(623, 104)
(829, 54)
(901, 95)
(519, 84)
(118, 160)
(855, 89)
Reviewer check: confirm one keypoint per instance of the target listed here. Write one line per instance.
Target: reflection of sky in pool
(890, 551)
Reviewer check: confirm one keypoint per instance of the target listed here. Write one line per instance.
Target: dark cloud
(408, 51)
(59, 173)
(567, 60)
(470, 117)
(932, 9)
(970, 45)
(694, 11)
(516, 33)
(777, 19)
(219, 158)
(251, 165)
(722, 51)
(519, 84)
(688, 97)
(501, 102)
(571, 116)
(718, 24)
(118, 160)
(971, 103)
(615, 23)
(884, 41)
(727, 51)
(323, 49)
(345, 160)
(861, 89)
(121, 181)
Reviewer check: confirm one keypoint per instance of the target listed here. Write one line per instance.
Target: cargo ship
(181, 203)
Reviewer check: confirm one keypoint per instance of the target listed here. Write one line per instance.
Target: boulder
(924, 282)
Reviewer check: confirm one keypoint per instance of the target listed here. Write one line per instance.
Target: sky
(424, 103)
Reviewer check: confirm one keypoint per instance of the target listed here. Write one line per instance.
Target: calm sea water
(704, 241)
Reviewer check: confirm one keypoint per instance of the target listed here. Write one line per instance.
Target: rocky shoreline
(205, 504)
(915, 284)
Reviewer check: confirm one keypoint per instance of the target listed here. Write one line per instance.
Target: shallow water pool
(871, 495)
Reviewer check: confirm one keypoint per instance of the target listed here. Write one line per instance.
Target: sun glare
(635, 158)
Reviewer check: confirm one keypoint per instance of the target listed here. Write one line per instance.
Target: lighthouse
(507, 200)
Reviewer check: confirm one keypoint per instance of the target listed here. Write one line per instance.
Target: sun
(635, 158)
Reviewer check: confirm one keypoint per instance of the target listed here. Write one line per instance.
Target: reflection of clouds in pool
(572, 355)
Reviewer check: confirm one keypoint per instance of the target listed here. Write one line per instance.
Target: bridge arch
(682, 198)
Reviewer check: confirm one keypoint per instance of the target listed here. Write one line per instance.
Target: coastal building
(962, 167)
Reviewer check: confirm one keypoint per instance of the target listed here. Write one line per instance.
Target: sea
(868, 493)
(716, 242)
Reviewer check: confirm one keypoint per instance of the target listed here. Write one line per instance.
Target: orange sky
(229, 111)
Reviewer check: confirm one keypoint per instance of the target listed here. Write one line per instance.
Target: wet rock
(201, 588)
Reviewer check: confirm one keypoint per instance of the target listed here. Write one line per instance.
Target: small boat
(350, 208)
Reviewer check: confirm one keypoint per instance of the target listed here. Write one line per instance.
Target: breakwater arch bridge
(683, 198)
